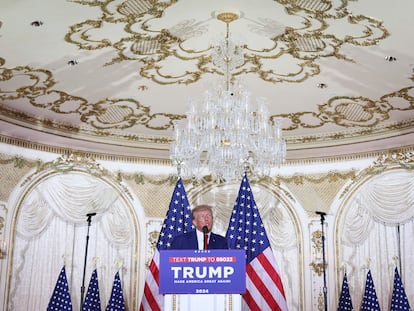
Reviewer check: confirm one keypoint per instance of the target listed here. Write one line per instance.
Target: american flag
(264, 288)
(60, 299)
(92, 301)
(370, 299)
(399, 299)
(177, 221)
(116, 301)
(345, 302)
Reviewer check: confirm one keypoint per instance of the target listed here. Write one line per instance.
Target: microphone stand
(325, 289)
(86, 256)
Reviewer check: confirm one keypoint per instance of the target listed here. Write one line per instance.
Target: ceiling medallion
(226, 17)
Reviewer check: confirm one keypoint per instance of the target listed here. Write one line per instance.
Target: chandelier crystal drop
(226, 134)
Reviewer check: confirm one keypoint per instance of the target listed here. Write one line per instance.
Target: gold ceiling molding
(105, 116)
(135, 8)
(151, 47)
(351, 112)
(389, 130)
(155, 161)
(36, 89)
(304, 44)
(65, 151)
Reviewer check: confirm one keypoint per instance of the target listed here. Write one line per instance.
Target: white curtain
(51, 230)
(378, 230)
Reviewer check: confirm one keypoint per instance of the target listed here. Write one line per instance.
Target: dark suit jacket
(189, 241)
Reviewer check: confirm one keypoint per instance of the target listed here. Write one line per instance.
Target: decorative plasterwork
(106, 117)
(316, 250)
(306, 40)
(316, 192)
(1, 225)
(394, 159)
(167, 49)
(13, 169)
(75, 162)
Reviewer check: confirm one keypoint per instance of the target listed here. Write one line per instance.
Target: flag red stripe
(250, 301)
(177, 221)
(153, 268)
(149, 292)
(272, 272)
(150, 299)
(262, 288)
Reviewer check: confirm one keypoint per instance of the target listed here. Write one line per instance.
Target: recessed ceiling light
(390, 58)
(36, 23)
(322, 85)
(73, 62)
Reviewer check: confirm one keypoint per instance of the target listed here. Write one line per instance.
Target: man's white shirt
(200, 239)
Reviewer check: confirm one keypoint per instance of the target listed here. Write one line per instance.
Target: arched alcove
(50, 229)
(375, 228)
(281, 222)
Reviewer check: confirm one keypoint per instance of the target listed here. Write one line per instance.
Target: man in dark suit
(202, 216)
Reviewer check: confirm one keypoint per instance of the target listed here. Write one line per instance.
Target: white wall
(43, 225)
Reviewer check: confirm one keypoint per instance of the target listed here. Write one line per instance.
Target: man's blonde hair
(201, 207)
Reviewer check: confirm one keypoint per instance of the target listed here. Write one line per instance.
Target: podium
(202, 279)
(203, 302)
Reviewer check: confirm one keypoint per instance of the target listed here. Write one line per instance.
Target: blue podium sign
(202, 271)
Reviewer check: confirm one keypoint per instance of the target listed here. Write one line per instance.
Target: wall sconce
(3, 249)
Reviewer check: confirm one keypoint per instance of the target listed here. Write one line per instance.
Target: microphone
(90, 214)
(205, 231)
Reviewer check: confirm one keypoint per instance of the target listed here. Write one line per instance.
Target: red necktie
(205, 241)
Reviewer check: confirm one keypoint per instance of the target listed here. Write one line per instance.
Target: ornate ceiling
(110, 76)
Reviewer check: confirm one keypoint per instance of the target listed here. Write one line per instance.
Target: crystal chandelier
(226, 135)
